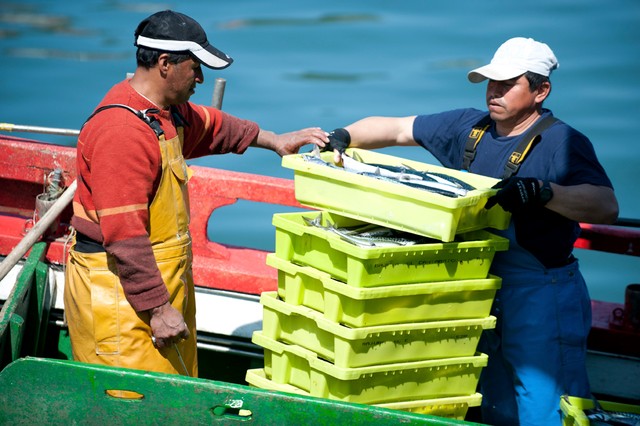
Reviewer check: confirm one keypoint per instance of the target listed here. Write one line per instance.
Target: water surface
(304, 63)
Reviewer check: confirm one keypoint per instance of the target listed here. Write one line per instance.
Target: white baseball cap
(515, 57)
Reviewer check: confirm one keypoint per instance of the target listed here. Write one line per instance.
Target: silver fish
(452, 180)
(367, 236)
(405, 175)
(439, 183)
(420, 174)
(315, 158)
(599, 416)
(354, 166)
(435, 187)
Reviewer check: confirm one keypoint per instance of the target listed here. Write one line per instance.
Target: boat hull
(230, 279)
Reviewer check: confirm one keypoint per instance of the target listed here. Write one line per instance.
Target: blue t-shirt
(563, 156)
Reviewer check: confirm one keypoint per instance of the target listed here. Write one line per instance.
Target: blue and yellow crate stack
(392, 326)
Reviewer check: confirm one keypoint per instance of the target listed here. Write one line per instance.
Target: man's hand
(516, 194)
(290, 143)
(339, 140)
(167, 325)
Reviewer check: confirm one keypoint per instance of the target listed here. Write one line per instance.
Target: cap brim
(492, 72)
(212, 57)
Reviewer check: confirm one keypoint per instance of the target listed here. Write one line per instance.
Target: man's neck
(143, 83)
(518, 126)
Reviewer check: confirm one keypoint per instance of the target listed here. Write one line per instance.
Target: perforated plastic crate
(468, 257)
(364, 307)
(359, 347)
(453, 407)
(302, 368)
(573, 411)
(392, 204)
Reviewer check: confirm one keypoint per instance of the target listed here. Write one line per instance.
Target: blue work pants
(537, 352)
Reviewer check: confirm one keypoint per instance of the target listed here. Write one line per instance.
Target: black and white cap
(175, 32)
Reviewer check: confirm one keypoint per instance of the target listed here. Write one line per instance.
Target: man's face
(510, 100)
(182, 79)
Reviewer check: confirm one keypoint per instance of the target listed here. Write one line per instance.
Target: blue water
(303, 63)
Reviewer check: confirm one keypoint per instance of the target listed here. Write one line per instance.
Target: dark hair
(535, 80)
(148, 58)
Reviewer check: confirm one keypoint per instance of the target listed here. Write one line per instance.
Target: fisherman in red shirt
(129, 293)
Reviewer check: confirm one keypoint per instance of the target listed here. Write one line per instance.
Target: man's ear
(163, 63)
(543, 91)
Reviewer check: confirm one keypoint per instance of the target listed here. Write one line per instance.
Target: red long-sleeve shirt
(119, 166)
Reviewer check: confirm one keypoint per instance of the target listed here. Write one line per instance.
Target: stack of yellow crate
(391, 326)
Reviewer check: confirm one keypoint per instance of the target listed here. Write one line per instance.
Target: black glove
(338, 139)
(516, 194)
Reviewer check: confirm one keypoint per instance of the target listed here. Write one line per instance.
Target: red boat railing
(24, 165)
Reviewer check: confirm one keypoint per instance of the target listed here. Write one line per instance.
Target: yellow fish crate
(364, 346)
(392, 304)
(376, 384)
(468, 257)
(392, 204)
(573, 411)
(453, 407)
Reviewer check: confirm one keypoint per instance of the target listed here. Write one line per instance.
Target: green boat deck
(67, 392)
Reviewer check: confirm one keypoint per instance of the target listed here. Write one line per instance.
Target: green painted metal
(36, 390)
(25, 313)
(43, 301)
(16, 333)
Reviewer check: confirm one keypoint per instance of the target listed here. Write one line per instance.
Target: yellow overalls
(103, 327)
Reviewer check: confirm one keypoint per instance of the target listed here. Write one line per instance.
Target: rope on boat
(38, 229)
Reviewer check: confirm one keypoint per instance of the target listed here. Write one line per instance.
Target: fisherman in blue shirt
(550, 181)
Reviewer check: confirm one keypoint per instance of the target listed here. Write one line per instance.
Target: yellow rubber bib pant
(103, 327)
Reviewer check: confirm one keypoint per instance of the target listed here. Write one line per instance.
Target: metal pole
(8, 127)
(629, 222)
(218, 93)
(38, 229)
